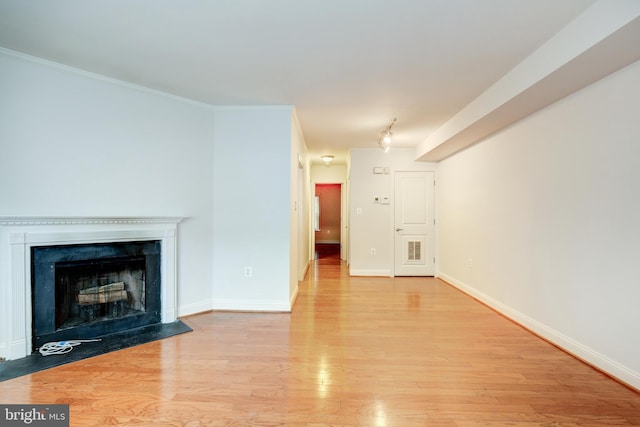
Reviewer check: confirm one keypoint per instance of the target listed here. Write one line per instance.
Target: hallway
(355, 351)
(327, 254)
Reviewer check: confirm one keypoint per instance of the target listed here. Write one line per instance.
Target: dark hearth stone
(118, 341)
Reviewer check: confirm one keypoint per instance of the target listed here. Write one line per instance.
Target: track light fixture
(385, 141)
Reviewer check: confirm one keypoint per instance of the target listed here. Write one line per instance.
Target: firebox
(92, 290)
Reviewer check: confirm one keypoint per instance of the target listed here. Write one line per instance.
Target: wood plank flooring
(354, 352)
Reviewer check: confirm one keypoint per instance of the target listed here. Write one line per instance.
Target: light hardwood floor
(354, 352)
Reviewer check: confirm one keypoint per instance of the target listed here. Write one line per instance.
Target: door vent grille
(415, 252)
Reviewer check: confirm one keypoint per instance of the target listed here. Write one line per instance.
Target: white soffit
(604, 39)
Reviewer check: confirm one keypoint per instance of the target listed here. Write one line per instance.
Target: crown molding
(102, 77)
(72, 220)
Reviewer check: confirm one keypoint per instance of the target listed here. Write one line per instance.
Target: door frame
(343, 218)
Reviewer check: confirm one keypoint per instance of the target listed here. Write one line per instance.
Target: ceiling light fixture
(327, 158)
(385, 141)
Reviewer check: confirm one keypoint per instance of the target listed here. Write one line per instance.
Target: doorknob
(399, 229)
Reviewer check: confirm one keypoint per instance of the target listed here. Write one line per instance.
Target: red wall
(329, 195)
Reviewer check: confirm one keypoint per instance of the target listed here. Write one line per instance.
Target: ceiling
(348, 66)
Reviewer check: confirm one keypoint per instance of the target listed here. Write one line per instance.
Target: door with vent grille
(414, 224)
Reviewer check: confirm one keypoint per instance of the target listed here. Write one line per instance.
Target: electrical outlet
(373, 251)
(248, 272)
(470, 263)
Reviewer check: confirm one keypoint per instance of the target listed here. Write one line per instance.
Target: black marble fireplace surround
(94, 290)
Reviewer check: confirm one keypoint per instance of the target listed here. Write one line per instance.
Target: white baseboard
(237, 305)
(249, 305)
(293, 298)
(575, 348)
(365, 272)
(199, 307)
(305, 270)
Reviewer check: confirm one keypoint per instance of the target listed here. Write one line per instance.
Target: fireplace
(100, 274)
(91, 290)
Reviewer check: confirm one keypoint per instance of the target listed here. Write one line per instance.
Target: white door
(414, 224)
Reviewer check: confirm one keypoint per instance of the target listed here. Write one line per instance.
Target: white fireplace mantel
(19, 234)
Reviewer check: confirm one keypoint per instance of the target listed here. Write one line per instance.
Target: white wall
(373, 227)
(78, 145)
(323, 174)
(300, 208)
(547, 210)
(252, 202)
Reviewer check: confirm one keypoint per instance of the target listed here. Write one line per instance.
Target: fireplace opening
(93, 290)
(90, 291)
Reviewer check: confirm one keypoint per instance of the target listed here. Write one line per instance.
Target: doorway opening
(328, 221)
